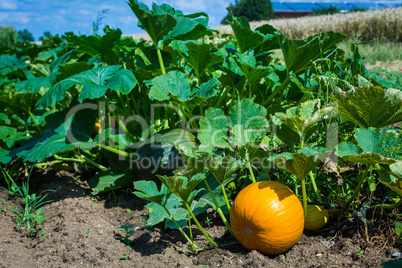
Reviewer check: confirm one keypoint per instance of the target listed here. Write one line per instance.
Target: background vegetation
(9, 36)
(253, 10)
(384, 25)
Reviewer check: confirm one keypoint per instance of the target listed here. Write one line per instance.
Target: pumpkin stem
(181, 230)
(226, 197)
(359, 186)
(199, 225)
(218, 209)
(34, 121)
(189, 226)
(113, 150)
(385, 206)
(315, 187)
(304, 192)
(251, 172)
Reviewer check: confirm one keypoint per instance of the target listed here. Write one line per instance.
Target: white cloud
(15, 17)
(83, 12)
(9, 4)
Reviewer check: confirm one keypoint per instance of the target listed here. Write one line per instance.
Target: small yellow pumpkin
(267, 216)
(316, 218)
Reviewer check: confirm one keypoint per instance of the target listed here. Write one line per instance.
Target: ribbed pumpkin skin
(268, 217)
(316, 218)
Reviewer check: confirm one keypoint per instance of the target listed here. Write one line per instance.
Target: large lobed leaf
(148, 190)
(372, 147)
(182, 186)
(164, 23)
(175, 85)
(111, 179)
(245, 124)
(248, 66)
(301, 162)
(370, 106)
(391, 176)
(223, 167)
(95, 84)
(261, 40)
(298, 123)
(197, 55)
(248, 122)
(98, 45)
(300, 54)
(74, 132)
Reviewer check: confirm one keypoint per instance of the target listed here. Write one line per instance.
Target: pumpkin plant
(268, 217)
(300, 164)
(148, 190)
(298, 124)
(374, 148)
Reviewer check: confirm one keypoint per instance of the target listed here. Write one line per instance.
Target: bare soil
(82, 231)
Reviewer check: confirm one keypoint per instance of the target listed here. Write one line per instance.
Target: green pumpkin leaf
(370, 106)
(213, 130)
(193, 159)
(52, 53)
(173, 84)
(197, 55)
(232, 76)
(208, 89)
(223, 167)
(4, 156)
(182, 186)
(148, 190)
(60, 61)
(299, 122)
(372, 147)
(157, 23)
(396, 169)
(35, 84)
(95, 84)
(11, 135)
(300, 54)
(391, 176)
(73, 133)
(158, 214)
(301, 162)
(270, 39)
(98, 45)
(398, 228)
(249, 123)
(245, 37)
(10, 63)
(82, 124)
(248, 66)
(48, 147)
(111, 179)
(189, 27)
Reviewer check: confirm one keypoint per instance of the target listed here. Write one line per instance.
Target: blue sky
(58, 16)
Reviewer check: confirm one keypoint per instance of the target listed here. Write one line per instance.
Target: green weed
(129, 233)
(31, 213)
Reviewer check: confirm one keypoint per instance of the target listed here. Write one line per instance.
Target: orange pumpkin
(267, 216)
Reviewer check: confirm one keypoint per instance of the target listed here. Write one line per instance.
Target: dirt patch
(82, 231)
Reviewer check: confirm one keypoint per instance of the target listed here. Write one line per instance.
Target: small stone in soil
(100, 232)
(396, 254)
